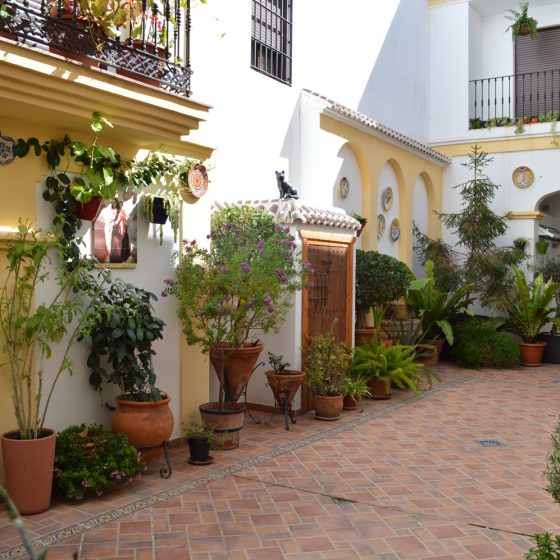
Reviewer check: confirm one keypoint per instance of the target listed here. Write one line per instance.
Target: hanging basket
(159, 214)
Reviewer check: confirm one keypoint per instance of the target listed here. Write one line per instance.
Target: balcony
(144, 40)
(516, 99)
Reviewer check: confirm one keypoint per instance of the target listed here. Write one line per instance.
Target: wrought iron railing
(515, 97)
(147, 41)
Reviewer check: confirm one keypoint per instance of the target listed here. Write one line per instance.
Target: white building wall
(421, 219)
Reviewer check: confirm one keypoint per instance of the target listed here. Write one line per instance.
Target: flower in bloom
(224, 270)
(260, 245)
(277, 229)
(85, 483)
(267, 300)
(245, 266)
(306, 265)
(228, 226)
(163, 294)
(169, 281)
(279, 272)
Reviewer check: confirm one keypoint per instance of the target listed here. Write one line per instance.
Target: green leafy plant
(522, 24)
(552, 471)
(356, 386)
(380, 279)
(529, 309)
(542, 246)
(278, 364)
(31, 329)
(394, 364)
(91, 459)
(547, 547)
(17, 520)
(520, 243)
(171, 205)
(478, 344)
(327, 363)
(206, 433)
(122, 328)
(436, 309)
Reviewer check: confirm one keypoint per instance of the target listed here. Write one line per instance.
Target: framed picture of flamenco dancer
(114, 240)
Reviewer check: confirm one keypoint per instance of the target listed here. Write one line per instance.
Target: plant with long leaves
(434, 308)
(394, 364)
(30, 328)
(530, 308)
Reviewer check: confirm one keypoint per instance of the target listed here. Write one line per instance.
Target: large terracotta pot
(349, 403)
(227, 421)
(328, 408)
(28, 466)
(531, 353)
(378, 389)
(145, 424)
(285, 386)
(238, 364)
(364, 336)
(437, 344)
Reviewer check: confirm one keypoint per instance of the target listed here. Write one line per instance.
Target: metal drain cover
(489, 442)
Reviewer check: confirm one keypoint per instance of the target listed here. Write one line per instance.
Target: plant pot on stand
(147, 425)
(285, 387)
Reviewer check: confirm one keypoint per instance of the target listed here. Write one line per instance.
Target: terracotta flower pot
(238, 364)
(328, 408)
(28, 466)
(378, 389)
(437, 344)
(285, 386)
(89, 210)
(531, 353)
(145, 424)
(227, 421)
(349, 403)
(364, 336)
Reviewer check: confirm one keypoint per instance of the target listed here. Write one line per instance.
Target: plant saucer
(208, 461)
(326, 419)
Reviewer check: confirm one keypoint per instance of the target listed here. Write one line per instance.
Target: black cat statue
(286, 190)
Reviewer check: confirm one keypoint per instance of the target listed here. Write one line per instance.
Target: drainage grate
(489, 442)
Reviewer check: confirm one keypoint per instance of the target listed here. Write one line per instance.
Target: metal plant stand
(167, 471)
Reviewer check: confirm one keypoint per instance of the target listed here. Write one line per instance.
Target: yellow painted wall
(372, 153)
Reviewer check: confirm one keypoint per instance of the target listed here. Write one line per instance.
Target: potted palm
(436, 309)
(327, 363)
(384, 366)
(232, 292)
(30, 331)
(122, 329)
(529, 311)
(380, 279)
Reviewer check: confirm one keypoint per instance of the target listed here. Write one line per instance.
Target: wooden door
(328, 301)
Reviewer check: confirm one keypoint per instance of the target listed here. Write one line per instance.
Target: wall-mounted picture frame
(114, 233)
(387, 199)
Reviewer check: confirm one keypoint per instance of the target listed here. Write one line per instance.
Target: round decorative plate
(343, 187)
(380, 225)
(387, 199)
(395, 229)
(6, 150)
(197, 180)
(522, 177)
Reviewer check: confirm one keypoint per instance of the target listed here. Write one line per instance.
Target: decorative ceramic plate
(387, 199)
(522, 177)
(395, 229)
(6, 150)
(343, 187)
(380, 225)
(197, 180)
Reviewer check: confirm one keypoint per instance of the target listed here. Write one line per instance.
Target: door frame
(325, 239)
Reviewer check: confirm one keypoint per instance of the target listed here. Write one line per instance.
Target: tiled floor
(406, 478)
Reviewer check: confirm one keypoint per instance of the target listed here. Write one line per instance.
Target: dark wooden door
(327, 302)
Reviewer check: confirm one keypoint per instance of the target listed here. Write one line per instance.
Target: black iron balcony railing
(518, 97)
(146, 40)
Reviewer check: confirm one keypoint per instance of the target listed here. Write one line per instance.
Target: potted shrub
(384, 366)
(228, 294)
(92, 459)
(522, 23)
(542, 246)
(478, 344)
(327, 363)
(355, 390)
(520, 243)
(123, 328)
(529, 311)
(380, 279)
(200, 438)
(284, 383)
(436, 309)
(551, 354)
(30, 330)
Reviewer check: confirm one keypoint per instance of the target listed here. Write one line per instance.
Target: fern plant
(522, 23)
(530, 309)
(392, 365)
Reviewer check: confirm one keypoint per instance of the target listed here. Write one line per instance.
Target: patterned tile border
(94, 522)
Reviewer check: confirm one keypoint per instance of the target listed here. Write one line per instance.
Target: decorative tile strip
(93, 523)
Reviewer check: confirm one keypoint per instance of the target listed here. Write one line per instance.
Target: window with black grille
(271, 38)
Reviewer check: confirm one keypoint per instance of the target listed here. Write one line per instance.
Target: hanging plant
(522, 23)
(171, 205)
